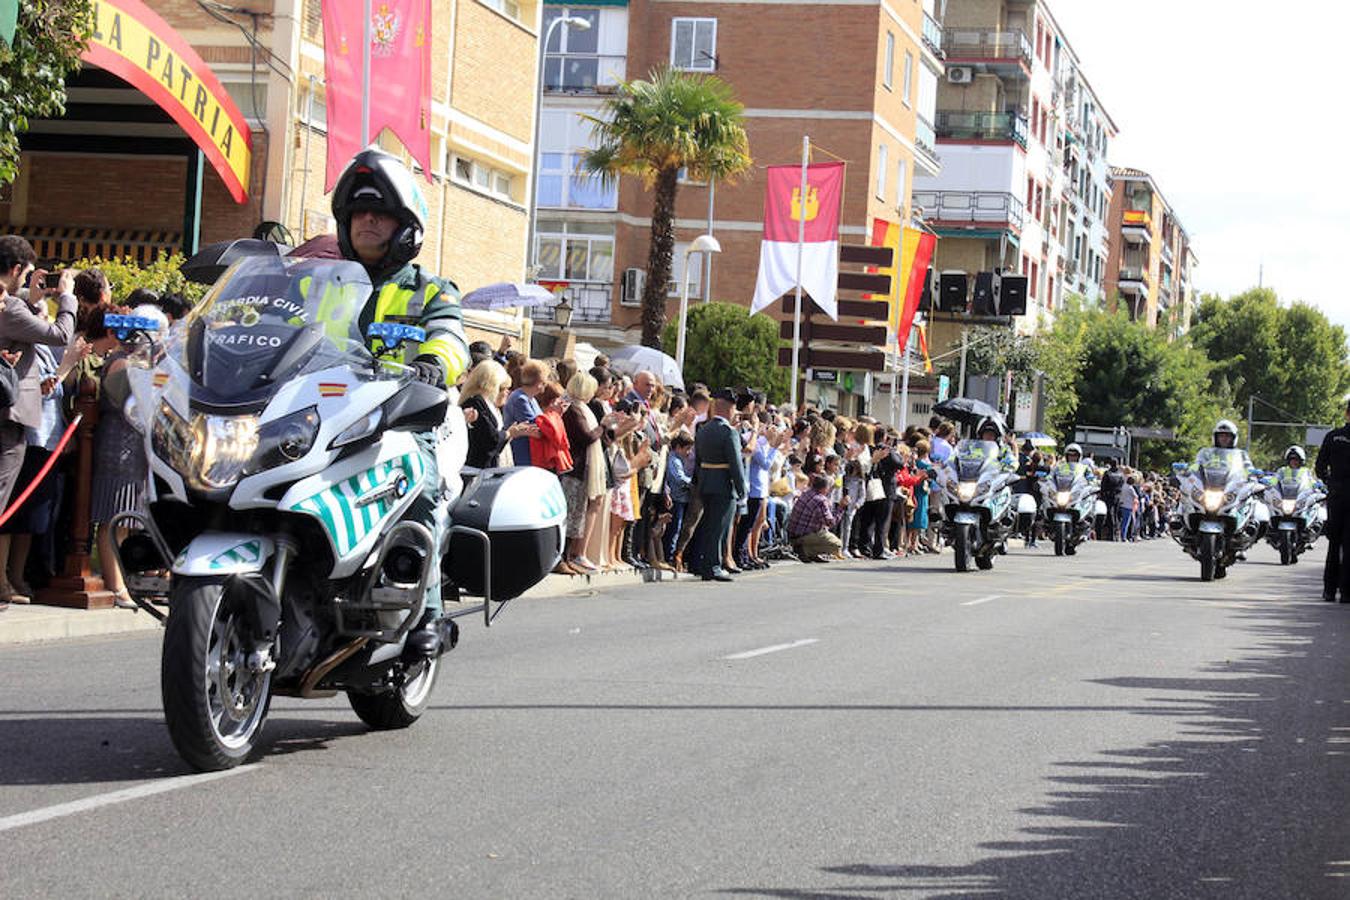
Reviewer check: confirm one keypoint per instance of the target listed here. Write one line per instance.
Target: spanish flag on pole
(913, 251)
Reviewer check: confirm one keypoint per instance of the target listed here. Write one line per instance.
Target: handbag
(875, 489)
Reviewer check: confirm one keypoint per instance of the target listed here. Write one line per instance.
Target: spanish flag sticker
(332, 389)
(160, 379)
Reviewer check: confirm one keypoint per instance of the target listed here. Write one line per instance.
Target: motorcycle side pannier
(524, 513)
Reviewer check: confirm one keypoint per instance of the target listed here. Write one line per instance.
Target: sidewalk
(31, 624)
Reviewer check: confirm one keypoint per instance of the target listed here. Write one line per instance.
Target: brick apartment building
(860, 79)
(1023, 139)
(114, 175)
(1151, 259)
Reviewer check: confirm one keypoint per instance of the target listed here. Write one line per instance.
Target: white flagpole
(904, 390)
(367, 37)
(801, 250)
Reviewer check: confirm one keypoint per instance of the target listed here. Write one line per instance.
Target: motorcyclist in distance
(989, 429)
(1295, 467)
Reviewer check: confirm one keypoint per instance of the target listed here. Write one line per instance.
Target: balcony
(590, 301)
(992, 47)
(1167, 257)
(932, 35)
(925, 142)
(582, 73)
(1133, 280)
(954, 125)
(971, 210)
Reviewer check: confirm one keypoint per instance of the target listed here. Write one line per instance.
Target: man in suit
(721, 482)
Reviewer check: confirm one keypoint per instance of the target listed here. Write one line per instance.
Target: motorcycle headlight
(1062, 498)
(210, 452)
(283, 441)
(965, 491)
(1288, 506)
(1212, 500)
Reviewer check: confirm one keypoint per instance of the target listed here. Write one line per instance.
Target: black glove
(428, 370)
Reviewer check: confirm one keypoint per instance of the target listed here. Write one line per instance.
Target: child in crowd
(853, 491)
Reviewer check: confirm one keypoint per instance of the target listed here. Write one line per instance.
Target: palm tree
(653, 129)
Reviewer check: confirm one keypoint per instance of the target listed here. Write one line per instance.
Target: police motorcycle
(1221, 514)
(1298, 510)
(1070, 493)
(284, 460)
(979, 515)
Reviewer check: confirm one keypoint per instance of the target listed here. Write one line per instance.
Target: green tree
(724, 347)
(51, 35)
(162, 276)
(652, 129)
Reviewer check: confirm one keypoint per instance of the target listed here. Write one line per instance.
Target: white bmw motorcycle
(284, 463)
(1298, 516)
(979, 515)
(1221, 514)
(1070, 506)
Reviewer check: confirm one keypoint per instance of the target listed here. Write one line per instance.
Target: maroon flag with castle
(399, 78)
(784, 210)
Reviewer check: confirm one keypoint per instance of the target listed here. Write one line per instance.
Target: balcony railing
(971, 208)
(590, 304)
(1133, 275)
(973, 45)
(582, 73)
(982, 126)
(925, 138)
(932, 35)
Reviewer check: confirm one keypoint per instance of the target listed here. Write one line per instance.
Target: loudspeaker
(984, 294)
(926, 298)
(1012, 296)
(953, 290)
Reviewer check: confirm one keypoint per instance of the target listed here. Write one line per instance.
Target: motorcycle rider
(381, 219)
(1295, 467)
(1073, 455)
(1333, 468)
(989, 429)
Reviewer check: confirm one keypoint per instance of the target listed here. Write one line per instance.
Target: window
(907, 86)
(574, 251)
(881, 171)
(900, 172)
(1035, 274)
(508, 8)
(888, 66)
(693, 44)
(572, 62)
(563, 135)
(481, 177)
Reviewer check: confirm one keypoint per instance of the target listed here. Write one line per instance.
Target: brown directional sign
(843, 333)
(865, 361)
(858, 255)
(865, 282)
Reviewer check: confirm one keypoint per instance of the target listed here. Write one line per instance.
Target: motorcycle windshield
(973, 457)
(1218, 465)
(1064, 480)
(267, 321)
(1291, 488)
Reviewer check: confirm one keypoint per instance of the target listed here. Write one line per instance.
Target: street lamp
(562, 314)
(579, 24)
(704, 243)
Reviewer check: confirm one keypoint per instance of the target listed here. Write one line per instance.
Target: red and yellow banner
(134, 43)
(912, 249)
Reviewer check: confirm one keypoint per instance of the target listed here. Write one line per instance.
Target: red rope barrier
(42, 473)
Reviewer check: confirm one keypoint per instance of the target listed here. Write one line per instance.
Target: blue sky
(1233, 106)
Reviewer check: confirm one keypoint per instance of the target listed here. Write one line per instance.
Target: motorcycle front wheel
(398, 708)
(1209, 556)
(214, 706)
(1061, 538)
(963, 543)
(1287, 553)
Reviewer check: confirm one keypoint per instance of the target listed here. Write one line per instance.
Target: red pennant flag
(914, 289)
(400, 78)
(784, 210)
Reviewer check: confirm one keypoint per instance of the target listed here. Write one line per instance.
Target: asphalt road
(1104, 726)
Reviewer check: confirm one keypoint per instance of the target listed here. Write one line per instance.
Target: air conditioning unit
(960, 75)
(634, 280)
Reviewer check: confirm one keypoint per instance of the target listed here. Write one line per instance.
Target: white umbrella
(634, 359)
(506, 294)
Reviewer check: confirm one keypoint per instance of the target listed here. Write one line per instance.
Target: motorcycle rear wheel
(397, 708)
(213, 705)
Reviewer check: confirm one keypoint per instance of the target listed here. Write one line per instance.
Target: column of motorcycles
(1226, 506)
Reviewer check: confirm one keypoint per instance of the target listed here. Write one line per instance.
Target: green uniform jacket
(412, 297)
(718, 448)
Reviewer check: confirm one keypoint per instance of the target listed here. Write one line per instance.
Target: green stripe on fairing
(358, 489)
(321, 509)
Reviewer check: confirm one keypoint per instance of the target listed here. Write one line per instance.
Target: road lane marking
(774, 649)
(33, 817)
(981, 600)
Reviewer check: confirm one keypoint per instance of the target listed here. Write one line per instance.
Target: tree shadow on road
(89, 749)
(1250, 799)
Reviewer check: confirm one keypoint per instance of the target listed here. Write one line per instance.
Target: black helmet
(375, 180)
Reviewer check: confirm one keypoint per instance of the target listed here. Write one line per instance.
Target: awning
(133, 42)
(57, 246)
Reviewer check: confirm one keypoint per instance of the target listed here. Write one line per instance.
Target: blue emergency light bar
(394, 333)
(125, 326)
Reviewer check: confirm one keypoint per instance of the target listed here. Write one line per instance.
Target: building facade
(1023, 140)
(861, 80)
(117, 166)
(1151, 262)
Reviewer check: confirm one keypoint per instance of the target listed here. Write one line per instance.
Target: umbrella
(634, 359)
(967, 410)
(210, 262)
(505, 295)
(324, 246)
(1040, 439)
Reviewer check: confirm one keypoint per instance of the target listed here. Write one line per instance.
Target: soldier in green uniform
(721, 482)
(381, 219)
